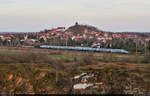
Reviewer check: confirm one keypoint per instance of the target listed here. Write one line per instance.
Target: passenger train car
(83, 49)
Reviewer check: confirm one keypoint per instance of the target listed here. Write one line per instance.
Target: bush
(87, 60)
(25, 58)
(55, 53)
(146, 59)
(4, 58)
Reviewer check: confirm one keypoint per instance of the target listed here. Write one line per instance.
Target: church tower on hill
(76, 23)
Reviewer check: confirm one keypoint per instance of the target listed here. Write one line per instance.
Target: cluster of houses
(64, 34)
(6, 37)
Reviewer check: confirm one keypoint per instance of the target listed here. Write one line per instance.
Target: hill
(81, 29)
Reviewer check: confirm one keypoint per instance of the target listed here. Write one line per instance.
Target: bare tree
(58, 65)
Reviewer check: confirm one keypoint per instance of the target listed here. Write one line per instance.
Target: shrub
(146, 59)
(55, 53)
(25, 58)
(87, 60)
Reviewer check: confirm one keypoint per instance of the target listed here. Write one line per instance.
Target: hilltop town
(78, 35)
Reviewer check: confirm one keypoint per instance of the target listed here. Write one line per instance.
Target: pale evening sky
(109, 15)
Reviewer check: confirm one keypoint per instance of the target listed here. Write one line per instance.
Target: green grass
(100, 58)
(106, 57)
(65, 56)
(2, 51)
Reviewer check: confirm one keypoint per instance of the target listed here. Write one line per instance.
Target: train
(87, 49)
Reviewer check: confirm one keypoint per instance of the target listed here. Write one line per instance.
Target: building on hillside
(147, 39)
(96, 45)
(85, 30)
(25, 37)
(115, 35)
(2, 37)
(8, 37)
(61, 29)
(132, 36)
(29, 41)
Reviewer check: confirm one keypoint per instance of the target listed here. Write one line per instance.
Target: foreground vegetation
(22, 72)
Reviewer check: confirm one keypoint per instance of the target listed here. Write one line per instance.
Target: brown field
(29, 70)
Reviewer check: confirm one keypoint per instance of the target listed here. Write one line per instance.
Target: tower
(76, 23)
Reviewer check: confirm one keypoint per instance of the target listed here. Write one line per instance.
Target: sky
(108, 15)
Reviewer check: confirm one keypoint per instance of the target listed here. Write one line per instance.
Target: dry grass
(36, 72)
(25, 58)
